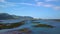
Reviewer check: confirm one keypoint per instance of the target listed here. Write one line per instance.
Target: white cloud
(50, 0)
(56, 7)
(39, 3)
(44, 4)
(25, 3)
(2, 0)
(7, 4)
(11, 4)
(48, 5)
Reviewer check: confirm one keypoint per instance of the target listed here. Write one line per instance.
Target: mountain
(4, 16)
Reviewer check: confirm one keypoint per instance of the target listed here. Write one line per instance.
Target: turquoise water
(40, 30)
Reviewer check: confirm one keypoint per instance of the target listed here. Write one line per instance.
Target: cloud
(48, 5)
(39, 3)
(7, 4)
(50, 0)
(44, 4)
(26, 3)
(12, 4)
(56, 7)
(2, 0)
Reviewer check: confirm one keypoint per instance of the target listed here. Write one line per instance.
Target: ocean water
(40, 30)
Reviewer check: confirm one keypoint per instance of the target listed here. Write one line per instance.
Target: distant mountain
(26, 17)
(4, 16)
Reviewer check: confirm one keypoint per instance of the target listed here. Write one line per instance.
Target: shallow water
(40, 30)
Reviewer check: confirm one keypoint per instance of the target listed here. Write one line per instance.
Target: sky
(45, 9)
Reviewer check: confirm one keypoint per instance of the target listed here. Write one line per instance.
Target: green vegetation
(12, 25)
(43, 25)
(25, 30)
